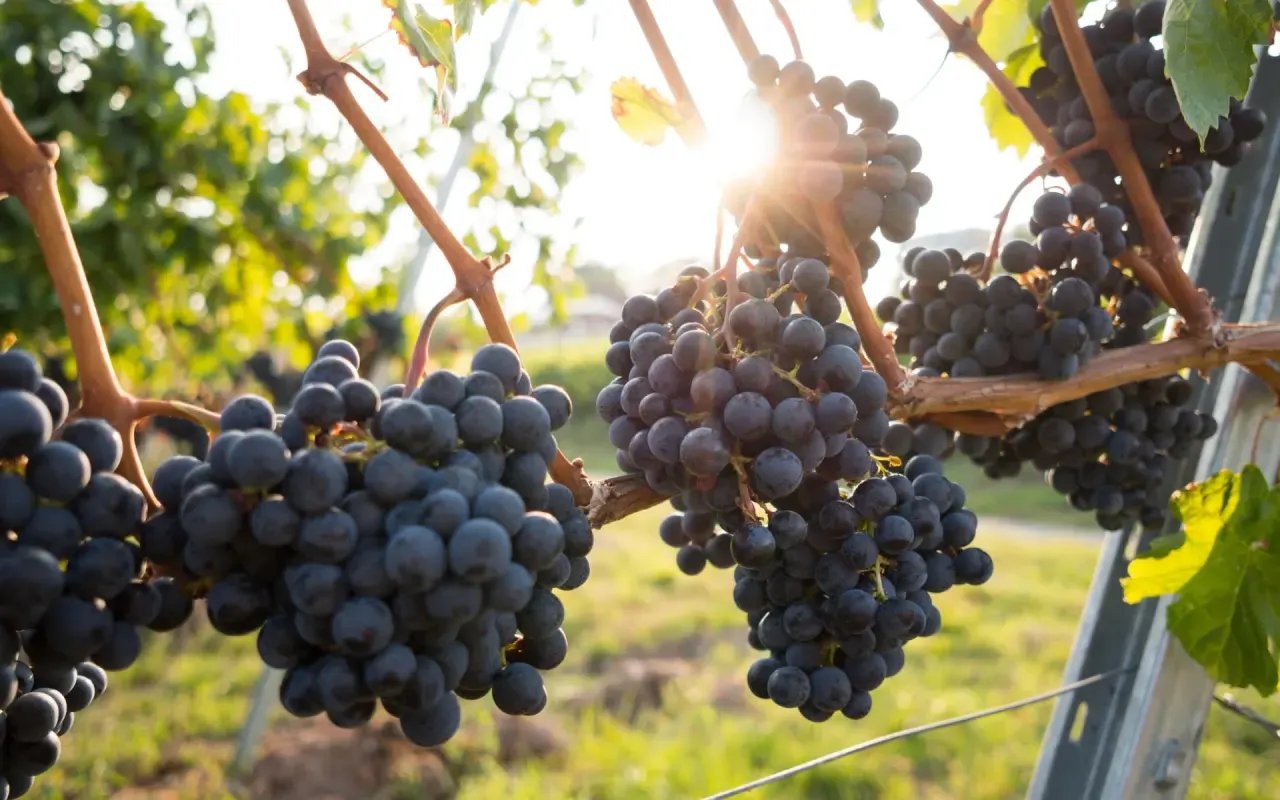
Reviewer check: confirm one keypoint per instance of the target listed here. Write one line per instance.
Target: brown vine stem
(979, 14)
(785, 18)
(474, 277)
(692, 129)
(845, 262)
(27, 173)
(1146, 274)
(963, 40)
(209, 420)
(1113, 133)
(737, 29)
(1043, 168)
(1025, 395)
(418, 361)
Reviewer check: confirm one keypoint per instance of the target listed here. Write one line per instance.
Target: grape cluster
(74, 587)
(1109, 453)
(767, 410)
(848, 580)
(35, 715)
(1132, 70)
(868, 173)
(385, 548)
(1052, 319)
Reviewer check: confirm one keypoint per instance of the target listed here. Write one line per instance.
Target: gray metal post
(1138, 737)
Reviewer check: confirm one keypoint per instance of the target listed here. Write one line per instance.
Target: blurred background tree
(220, 235)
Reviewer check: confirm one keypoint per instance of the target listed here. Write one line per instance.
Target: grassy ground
(650, 704)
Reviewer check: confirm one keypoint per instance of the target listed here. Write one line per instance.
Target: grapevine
(401, 547)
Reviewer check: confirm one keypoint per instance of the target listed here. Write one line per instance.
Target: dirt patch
(313, 759)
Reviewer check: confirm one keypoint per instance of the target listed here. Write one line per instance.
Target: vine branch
(963, 40)
(692, 129)
(326, 75)
(27, 173)
(1113, 133)
(737, 29)
(845, 262)
(785, 18)
(1024, 396)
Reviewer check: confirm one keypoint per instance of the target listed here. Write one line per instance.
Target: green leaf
(1006, 129)
(1209, 55)
(1226, 572)
(464, 12)
(431, 40)
(867, 11)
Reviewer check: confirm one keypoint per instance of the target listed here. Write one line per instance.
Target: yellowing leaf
(1006, 129)
(867, 11)
(642, 113)
(431, 40)
(1005, 26)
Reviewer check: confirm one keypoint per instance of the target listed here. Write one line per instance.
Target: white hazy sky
(643, 206)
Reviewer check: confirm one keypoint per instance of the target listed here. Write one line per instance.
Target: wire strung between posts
(1229, 703)
(906, 733)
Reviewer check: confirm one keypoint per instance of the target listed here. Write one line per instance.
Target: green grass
(167, 728)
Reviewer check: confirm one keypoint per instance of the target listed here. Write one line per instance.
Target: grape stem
(964, 40)
(418, 361)
(744, 487)
(1146, 274)
(790, 377)
(472, 276)
(28, 173)
(845, 263)
(1046, 166)
(209, 420)
(731, 269)
(785, 19)
(737, 29)
(1113, 133)
(979, 14)
(692, 129)
(876, 573)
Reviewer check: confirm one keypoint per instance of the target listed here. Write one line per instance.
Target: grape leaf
(1209, 55)
(431, 41)
(1006, 129)
(1034, 7)
(1005, 28)
(1226, 572)
(867, 11)
(464, 12)
(642, 113)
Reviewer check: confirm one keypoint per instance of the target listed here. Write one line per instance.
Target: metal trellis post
(1137, 737)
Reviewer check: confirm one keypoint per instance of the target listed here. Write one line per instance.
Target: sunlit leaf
(1226, 573)
(1209, 54)
(1006, 128)
(867, 11)
(642, 112)
(464, 12)
(1005, 28)
(431, 41)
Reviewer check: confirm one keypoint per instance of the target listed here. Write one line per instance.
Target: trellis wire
(907, 733)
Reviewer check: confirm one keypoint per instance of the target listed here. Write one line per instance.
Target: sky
(640, 207)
